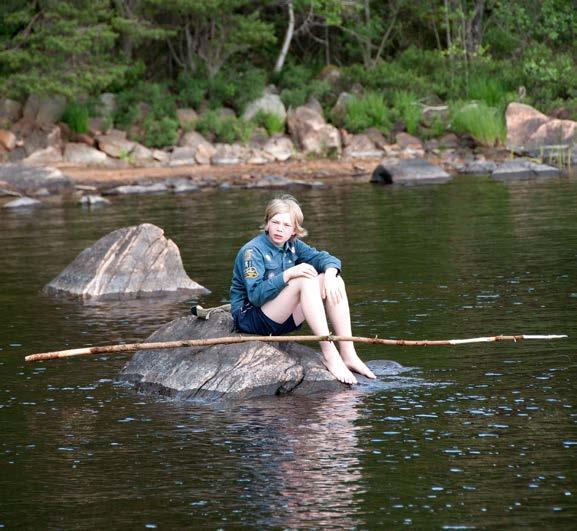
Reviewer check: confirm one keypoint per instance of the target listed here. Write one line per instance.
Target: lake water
(473, 437)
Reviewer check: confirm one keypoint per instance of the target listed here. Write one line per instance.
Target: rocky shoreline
(37, 165)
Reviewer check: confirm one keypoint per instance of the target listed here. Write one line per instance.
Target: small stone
(23, 202)
(138, 189)
(7, 139)
(93, 200)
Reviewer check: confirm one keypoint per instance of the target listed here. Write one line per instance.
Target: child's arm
(259, 290)
(320, 260)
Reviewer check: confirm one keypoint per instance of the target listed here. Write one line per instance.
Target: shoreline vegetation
(139, 89)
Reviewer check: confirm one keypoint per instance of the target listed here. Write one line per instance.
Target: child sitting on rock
(279, 282)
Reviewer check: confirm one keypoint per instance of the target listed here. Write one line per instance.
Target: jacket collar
(288, 246)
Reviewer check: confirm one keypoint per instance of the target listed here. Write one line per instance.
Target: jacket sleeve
(259, 290)
(320, 260)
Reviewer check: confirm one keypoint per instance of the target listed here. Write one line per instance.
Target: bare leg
(340, 317)
(302, 298)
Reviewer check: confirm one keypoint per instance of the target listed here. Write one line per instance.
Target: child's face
(280, 228)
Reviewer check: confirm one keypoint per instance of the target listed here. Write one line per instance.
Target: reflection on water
(478, 436)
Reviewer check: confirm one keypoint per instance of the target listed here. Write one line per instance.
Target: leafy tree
(209, 33)
(58, 46)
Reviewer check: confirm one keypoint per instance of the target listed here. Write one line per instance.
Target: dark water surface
(474, 437)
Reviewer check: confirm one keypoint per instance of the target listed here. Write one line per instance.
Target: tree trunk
(287, 38)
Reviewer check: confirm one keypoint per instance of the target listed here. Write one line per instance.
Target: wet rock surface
(413, 171)
(519, 169)
(229, 372)
(29, 179)
(136, 261)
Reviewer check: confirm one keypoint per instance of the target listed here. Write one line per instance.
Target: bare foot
(335, 364)
(355, 364)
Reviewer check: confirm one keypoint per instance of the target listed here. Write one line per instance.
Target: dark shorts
(252, 320)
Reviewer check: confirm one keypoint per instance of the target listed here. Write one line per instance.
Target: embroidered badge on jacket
(250, 272)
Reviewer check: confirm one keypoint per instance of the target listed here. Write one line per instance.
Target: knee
(305, 283)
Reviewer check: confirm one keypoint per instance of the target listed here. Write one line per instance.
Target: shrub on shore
(485, 124)
(366, 111)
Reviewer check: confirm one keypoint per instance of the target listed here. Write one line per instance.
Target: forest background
(392, 56)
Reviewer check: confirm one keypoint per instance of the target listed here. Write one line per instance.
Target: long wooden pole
(132, 347)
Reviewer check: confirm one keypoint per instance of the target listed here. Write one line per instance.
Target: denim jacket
(258, 269)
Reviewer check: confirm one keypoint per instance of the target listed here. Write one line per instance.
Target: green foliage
(191, 90)
(368, 110)
(549, 75)
(64, 47)
(159, 133)
(318, 89)
(387, 78)
(294, 76)
(408, 108)
(491, 91)
(223, 129)
(485, 124)
(159, 101)
(76, 117)
(273, 123)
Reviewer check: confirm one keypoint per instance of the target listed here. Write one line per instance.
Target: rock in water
(408, 172)
(227, 372)
(134, 261)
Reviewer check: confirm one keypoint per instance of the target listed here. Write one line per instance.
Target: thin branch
(132, 347)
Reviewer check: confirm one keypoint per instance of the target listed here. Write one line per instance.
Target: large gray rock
(133, 261)
(10, 110)
(48, 155)
(528, 129)
(79, 153)
(115, 146)
(232, 372)
(268, 103)
(46, 110)
(29, 179)
(308, 128)
(361, 146)
(523, 169)
(280, 147)
(413, 171)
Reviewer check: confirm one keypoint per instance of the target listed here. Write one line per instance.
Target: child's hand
(301, 270)
(332, 289)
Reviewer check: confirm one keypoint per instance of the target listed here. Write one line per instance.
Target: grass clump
(484, 123)
(76, 117)
(368, 110)
(408, 109)
(227, 130)
(273, 123)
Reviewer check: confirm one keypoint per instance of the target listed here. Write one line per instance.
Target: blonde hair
(281, 205)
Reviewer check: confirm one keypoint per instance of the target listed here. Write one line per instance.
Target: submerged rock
(23, 202)
(523, 169)
(133, 261)
(230, 372)
(413, 171)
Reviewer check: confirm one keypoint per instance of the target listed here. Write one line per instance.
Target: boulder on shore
(529, 130)
(136, 261)
(412, 171)
(231, 372)
(308, 127)
(31, 180)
